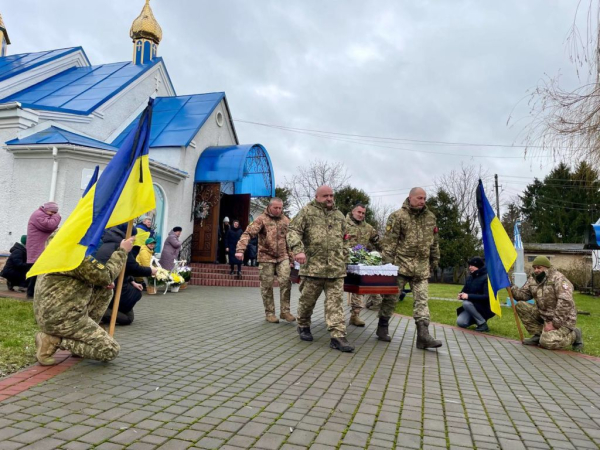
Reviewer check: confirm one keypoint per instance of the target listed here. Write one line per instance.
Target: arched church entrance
(225, 181)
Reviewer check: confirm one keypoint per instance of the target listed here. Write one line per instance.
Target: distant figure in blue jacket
(475, 309)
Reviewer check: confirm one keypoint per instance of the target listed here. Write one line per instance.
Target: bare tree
(566, 122)
(381, 212)
(461, 184)
(304, 183)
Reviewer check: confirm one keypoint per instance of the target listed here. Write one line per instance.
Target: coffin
(371, 279)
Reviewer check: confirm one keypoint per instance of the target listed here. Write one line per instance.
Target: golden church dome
(145, 26)
(3, 29)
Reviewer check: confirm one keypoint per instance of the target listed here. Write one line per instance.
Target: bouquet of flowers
(360, 255)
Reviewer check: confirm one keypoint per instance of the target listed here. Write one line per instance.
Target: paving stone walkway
(202, 369)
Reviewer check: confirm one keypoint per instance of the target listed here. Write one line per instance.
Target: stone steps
(218, 275)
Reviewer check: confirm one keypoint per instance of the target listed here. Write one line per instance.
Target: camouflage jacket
(319, 233)
(360, 233)
(272, 233)
(64, 296)
(411, 241)
(553, 297)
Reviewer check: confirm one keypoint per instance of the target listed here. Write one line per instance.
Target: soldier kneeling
(551, 320)
(69, 305)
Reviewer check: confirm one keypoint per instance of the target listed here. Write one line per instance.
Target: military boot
(382, 329)
(356, 320)
(341, 344)
(533, 340)
(287, 316)
(424, 339)
(271, 318)
(46, 346)
(305, 334)
(578, 343)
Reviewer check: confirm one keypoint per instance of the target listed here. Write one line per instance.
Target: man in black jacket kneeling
(132, 291)
(475, 309)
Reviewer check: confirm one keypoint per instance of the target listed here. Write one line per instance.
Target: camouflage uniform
(361, 233)
(274, 258)
(553, 303)
(319, 233)
(69, 305)
(411, 243)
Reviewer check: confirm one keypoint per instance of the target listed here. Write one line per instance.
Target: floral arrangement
(176, 279)
(360, 255)
(163, 276)
(202, 210)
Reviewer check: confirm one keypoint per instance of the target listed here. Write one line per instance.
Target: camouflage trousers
(420, 292)
(534, 324)
(357, 301)
(268, 272)
(77, 325)
(311, 288)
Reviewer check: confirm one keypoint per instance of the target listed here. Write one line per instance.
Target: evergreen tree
(280, 192)
(347, 197)
(563, 205)
(457, 244)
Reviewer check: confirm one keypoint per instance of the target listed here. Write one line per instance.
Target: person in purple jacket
(170, 251)
(42, 224)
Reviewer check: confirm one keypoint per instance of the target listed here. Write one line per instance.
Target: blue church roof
(80, 90)
(54, 135)
(176, 120)
(15, 64)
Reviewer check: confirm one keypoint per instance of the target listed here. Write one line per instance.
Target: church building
(60, 116)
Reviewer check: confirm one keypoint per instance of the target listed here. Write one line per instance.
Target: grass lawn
(444, 311)
(17, 335)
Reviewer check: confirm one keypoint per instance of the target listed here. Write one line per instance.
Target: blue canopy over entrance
(247, 167)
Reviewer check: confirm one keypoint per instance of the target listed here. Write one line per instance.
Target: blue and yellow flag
(123, 191)
(499, 251)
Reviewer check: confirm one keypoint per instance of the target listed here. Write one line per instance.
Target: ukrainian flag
(123, 191)
(499, 251)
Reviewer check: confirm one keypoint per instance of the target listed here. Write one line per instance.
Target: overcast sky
(451, 71)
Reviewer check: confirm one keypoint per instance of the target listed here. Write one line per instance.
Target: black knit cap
(176, 229)
(477, 262)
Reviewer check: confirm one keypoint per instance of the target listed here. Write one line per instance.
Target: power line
(415, 141)
(326, 135)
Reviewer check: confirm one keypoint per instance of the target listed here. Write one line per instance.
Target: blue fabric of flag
(499, 251)
(115, 176)
(92, 181)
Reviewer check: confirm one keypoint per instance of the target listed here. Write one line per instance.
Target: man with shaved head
(316, 237)
(411, 243)
(274, 258)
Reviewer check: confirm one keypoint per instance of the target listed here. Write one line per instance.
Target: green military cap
(541, 261)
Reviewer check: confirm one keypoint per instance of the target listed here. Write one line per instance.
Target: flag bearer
(69, 305)
(551, 320)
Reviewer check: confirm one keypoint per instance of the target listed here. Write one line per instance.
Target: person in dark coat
(221, 253)
(251, 252)
(475, 309)
(16, 267)
(132, 291)
(231, 239)
(170, 250)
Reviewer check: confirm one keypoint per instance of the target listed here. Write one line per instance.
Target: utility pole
(497, 196)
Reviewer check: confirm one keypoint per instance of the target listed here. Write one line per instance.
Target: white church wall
(171, 156)
(31, 189)
(210, 135)
(32, 178)
(7, 190)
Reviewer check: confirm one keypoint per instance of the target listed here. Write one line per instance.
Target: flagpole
(514, 308)
(119, 287)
